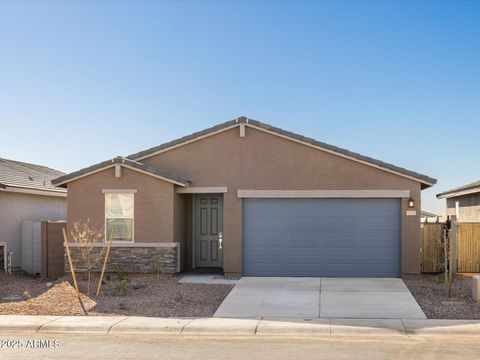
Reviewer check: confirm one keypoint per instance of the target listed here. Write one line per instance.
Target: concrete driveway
(284, 297)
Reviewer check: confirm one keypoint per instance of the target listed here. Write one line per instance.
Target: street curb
(286, 327)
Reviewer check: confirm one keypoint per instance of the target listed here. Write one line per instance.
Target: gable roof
(471, 188)
(424, 213)
(426, 181)
(128, 163)
(17, 175)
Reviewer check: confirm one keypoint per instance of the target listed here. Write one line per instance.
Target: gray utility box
(476, 287)
(31, 246)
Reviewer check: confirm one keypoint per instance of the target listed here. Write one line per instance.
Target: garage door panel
(322, 237)
(328, 257)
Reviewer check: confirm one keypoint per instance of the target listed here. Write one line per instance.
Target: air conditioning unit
(31, 246)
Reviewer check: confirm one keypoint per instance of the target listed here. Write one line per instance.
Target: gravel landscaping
(146, 295)
(431, 295)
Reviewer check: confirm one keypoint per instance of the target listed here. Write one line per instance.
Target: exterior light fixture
(411, 203)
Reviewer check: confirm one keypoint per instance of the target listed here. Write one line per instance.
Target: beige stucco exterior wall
(468, 210)
(264, 161)
(15, 207)
(180, 226)
(154, 203)
(188, 248)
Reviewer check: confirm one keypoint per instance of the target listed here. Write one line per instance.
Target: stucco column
(411, 243)
(232, 228)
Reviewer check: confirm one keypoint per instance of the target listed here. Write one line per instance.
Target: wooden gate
(53, 251)
(468, 247)
(432, 248)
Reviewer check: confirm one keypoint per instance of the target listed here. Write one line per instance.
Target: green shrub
(120, 270)
(123, 285)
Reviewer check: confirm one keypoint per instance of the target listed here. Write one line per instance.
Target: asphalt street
(51, 346)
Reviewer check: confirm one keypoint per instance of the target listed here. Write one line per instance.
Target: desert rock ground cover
(430, 293)
(147, 295)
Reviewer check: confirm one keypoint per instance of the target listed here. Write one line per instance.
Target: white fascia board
(35, 191)
(306, 194)
(203, 190)
(459, 193)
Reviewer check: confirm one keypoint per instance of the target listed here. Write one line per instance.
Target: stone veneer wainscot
(149, 259)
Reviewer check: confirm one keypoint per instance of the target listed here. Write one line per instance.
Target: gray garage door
(322, 237)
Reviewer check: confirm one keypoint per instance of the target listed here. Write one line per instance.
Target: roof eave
(131, 164)
(457, 193)
(35, 191)
(425, 185)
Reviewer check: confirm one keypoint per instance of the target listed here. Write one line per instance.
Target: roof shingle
(30, 176)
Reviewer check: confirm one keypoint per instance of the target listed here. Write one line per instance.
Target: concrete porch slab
(206, 279)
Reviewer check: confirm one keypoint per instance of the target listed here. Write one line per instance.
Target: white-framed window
(119, 216)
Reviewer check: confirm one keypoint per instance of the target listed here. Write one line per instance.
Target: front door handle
(220, 240)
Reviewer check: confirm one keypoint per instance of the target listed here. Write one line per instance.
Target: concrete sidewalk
(111, 325)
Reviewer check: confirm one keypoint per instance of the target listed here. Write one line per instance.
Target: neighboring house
(253, 199)
(26, 193)
(463, 202)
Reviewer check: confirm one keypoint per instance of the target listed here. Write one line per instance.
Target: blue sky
(81, 82)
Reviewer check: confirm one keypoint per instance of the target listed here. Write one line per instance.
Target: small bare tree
(440, 243)
(85, 235)
(450, 231)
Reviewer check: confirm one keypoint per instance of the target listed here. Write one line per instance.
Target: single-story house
(463, 202)
(26, 193)
(253, 199)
